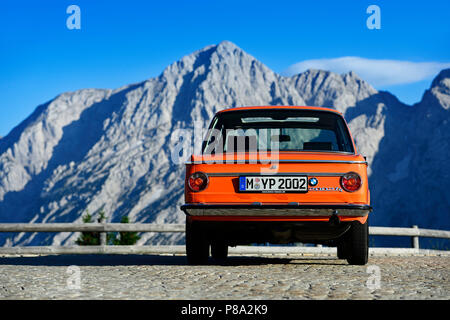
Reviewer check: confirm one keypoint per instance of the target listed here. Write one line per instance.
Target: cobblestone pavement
(241, 277)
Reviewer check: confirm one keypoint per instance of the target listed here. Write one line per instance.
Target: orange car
(277, 175)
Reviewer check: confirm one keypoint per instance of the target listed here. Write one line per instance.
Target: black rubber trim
(273, 206)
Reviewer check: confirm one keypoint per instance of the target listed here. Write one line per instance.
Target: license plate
(273, 184)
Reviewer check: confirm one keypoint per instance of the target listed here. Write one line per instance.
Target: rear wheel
(357, 243)
(342, 250)
(219, 251)
(197, 246)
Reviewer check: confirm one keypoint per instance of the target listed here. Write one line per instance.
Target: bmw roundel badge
(313, 182)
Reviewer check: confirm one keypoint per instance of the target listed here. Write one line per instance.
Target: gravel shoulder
(241, 277)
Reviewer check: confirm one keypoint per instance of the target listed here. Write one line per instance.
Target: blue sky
(122, 42)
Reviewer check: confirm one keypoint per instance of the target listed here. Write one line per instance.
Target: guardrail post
(103, 238)
(415, 239)
(103, 233)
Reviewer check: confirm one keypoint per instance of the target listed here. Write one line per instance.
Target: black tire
(219, 251)
(197, 246)
(357, 242)
(342, 252)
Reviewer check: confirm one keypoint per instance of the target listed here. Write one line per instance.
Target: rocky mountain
(411, 170)
(98, 149)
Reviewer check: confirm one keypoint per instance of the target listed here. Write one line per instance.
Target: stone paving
(241, 277)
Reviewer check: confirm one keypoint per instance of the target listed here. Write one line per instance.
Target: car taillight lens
(351, 182)
(198, 181)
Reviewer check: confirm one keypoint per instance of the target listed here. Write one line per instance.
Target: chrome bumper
(348, 210)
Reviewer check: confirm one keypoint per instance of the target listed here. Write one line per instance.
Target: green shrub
(125, 238)
(88, 238)
(91, 238)
(112, 238)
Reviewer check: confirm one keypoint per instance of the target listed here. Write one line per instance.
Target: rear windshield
(277, 130)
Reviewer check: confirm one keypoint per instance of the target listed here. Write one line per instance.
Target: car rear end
(277, 175)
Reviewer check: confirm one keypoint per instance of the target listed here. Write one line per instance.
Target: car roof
(280, 107)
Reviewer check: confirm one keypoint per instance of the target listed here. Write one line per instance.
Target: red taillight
(351, 181)
(198, 181)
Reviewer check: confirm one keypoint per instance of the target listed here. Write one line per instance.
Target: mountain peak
(225, 52)
(326, 88)
(438, 96)
(223, 45)
(442, 80)
(352, 74)
(228, 45)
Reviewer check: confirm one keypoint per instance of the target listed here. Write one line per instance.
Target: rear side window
(277, 130)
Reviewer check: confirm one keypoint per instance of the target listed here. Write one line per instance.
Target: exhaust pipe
(334, 219)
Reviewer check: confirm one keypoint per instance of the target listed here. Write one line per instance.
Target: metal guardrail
(103, 228)
(91, 227)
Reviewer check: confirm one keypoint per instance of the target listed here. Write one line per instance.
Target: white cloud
(378, 73)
